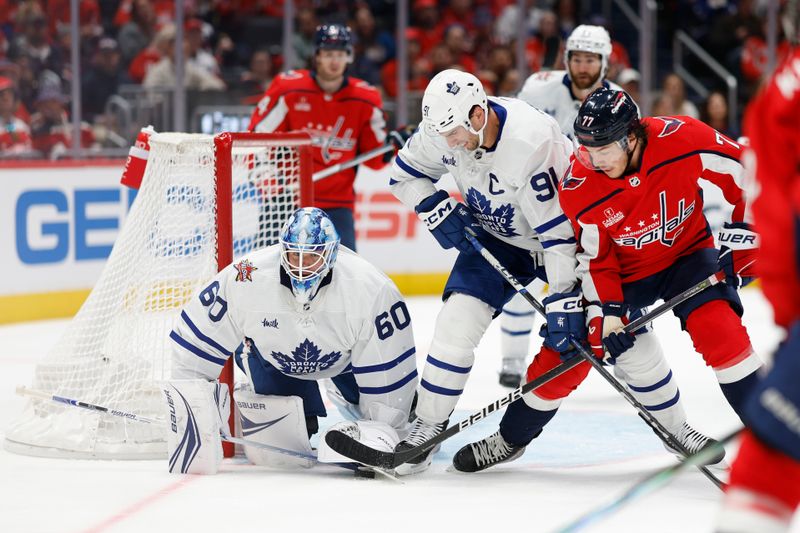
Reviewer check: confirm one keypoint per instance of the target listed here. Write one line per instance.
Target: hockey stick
(665, 436)
(349, 447)
(32, 393)
(647, 485)
(366, 156)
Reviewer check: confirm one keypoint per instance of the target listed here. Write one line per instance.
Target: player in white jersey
(301, 311)
(506, 158)
(559, 93)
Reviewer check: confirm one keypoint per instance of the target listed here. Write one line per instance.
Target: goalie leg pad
(648, 376)
(193, 429)
(275, 420)
(459, 327)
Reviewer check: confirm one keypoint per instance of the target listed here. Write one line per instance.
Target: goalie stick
(349, 447)
(666, 437)
(32, 393)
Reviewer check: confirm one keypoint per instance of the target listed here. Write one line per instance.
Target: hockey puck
(364, 473)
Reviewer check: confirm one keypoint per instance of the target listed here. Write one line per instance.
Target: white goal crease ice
(204, 201)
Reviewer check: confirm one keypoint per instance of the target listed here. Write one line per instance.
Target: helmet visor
(602, 158)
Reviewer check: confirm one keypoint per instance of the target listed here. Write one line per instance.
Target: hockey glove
(565, 320)
(594, 335)
(447, 219)
(737, 253)
(398, 138)
(615, 341)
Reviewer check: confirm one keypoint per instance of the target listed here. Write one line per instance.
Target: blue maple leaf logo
(453, 88)
(307, 359)
(498, 220)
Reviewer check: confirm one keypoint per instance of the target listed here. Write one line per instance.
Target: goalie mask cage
(204, 201)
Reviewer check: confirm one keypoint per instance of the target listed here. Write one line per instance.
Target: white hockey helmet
(448, 100)
(591, 39)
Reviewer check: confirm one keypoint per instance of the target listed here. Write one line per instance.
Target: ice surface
(592, 452)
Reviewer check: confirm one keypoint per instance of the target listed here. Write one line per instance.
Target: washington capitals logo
(307, 358)
(497, 220)
(453, 88)
(571, 182)
(671, 125)
(244, 270)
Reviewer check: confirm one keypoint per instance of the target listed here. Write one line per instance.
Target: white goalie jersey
(511, 188)
(551, 91)
(358, 322)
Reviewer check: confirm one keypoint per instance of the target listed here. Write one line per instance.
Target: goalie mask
(309, 243)
(449, 99)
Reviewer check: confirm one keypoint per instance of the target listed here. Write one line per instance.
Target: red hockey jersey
(635, 226)
(342, 125)
(772, 124)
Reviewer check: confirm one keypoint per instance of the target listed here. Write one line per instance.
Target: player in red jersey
(633, 197)
(764, 489)
(343, 114)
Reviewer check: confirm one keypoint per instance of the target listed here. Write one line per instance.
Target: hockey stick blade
(353, 449)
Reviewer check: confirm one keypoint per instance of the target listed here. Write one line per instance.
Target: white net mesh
(117, 346)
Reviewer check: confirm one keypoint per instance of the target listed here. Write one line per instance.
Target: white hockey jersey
(357, 322)
(512, 188)
(551, 91)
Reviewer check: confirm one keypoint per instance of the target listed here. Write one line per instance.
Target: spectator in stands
(256, 80)
(505, 27)
(729, 32)
(427, 19)
(15, 134)
(663, 105)
(629, 80)
(136, 34)
(676, 89)
(462, 12)
(375, 44)
(162, 74)
(303, 37)
(509, 84)
(34, 42)
(51, 128)
(418, 66)
(196, 53)
(158, 48)
(102, 79)
(567, 11)
(545, 50)
(460, 46)
(714, 112)
(500, 61)
(441, 59)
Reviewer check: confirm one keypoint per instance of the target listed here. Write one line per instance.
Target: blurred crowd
(233, 46)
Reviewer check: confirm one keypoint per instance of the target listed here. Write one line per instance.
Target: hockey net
(204, 201)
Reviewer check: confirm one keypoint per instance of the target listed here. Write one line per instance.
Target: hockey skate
(488, 452)
(512, 372)
(420, 432)
(694, 441)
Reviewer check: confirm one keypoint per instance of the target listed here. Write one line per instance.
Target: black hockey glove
(398, 138)
(447, 219)
(737, 253)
